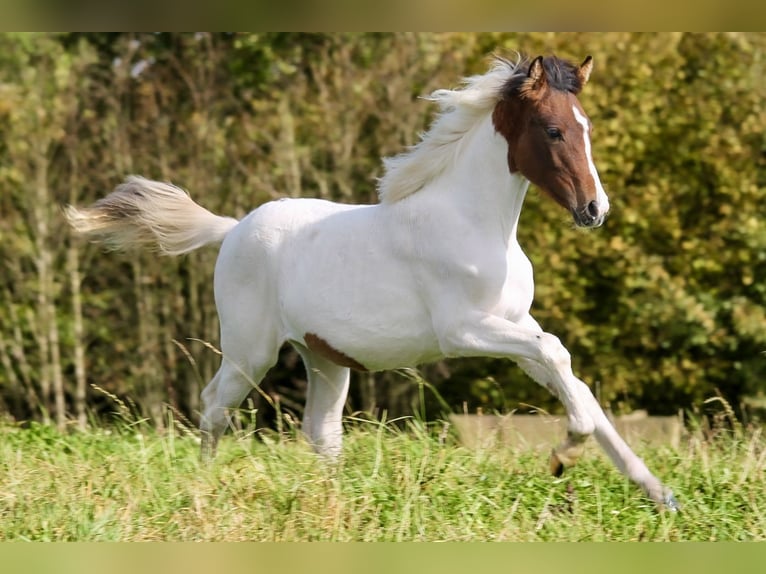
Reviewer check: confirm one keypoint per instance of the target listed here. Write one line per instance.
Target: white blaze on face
(601, 199)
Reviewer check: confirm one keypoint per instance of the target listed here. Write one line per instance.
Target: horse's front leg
(565, 454)
(544, 358)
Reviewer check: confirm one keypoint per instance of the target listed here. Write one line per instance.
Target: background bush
(661, 308)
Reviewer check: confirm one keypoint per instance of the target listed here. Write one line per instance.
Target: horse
(432, 270)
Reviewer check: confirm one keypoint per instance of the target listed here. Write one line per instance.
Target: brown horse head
(548, 135)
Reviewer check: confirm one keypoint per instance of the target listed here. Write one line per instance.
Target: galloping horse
(433, 270)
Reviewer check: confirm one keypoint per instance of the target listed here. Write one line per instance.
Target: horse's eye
(554, 133)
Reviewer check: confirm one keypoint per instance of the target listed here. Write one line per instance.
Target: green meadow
(395, 482)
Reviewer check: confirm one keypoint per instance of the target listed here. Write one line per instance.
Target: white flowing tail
(142, 212)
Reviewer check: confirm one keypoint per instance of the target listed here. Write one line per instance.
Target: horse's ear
(535, 78)
(536, 74)
(583, 72)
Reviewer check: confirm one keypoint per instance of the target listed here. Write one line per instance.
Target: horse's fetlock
(580, 428)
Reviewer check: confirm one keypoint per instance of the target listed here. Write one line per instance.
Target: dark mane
(560, 74)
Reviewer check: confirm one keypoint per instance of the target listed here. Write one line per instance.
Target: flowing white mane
(460, 110)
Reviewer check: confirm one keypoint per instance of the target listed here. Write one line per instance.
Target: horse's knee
(554, 353)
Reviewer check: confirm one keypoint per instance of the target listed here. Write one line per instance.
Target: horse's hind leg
(326, 396)
(250, 336)
(228, 388)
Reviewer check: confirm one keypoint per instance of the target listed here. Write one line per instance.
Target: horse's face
(548, 136)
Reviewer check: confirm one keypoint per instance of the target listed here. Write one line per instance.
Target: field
(410, 482)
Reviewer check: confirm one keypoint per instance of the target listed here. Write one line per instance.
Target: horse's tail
(142, 212)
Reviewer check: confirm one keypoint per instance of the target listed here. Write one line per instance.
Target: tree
(661, 307)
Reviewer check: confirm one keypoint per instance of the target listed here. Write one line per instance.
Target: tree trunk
(146, 368)
(48, 335)
(288, 146)
(19, 357)
(170, 370)
(78, 336)
(15, 387)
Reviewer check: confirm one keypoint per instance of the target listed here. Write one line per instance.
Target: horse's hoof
(670, 503)
(557, 467)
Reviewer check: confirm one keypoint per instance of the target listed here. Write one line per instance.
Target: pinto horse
(433, 270)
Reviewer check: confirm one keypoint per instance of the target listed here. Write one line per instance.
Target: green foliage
(662, 306)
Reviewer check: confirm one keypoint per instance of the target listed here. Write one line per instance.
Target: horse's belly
(361, 349)
(364, 329)
(382, 354)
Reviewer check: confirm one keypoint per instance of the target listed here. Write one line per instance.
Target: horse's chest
(518, 288)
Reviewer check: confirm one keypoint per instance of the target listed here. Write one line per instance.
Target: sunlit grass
(416, 483)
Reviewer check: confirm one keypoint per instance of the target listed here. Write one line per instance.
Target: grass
(128, 483)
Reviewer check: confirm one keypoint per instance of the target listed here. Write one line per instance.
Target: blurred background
(661, 309)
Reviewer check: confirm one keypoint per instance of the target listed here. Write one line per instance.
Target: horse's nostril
(593, 209)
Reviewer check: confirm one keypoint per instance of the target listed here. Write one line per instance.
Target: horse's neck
(480, 183)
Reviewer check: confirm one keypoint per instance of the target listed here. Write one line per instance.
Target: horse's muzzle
(589, 215)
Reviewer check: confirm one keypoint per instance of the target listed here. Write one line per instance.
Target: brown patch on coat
(321, 347)
(506, 117)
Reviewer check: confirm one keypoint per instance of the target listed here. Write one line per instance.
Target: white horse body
(325, 268)
(434, 270)
(383, 283)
